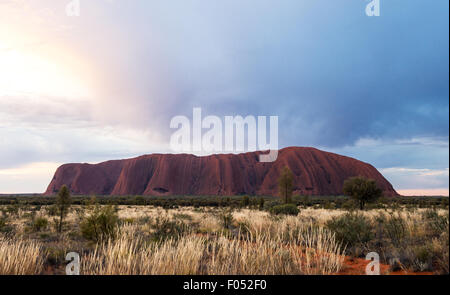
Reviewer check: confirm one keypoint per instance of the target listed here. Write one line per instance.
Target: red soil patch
(357, 266)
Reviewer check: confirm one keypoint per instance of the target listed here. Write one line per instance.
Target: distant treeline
(327, 202)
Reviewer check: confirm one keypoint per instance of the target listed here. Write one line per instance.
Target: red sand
(357, 266)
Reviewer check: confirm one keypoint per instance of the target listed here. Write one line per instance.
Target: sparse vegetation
(311, 235)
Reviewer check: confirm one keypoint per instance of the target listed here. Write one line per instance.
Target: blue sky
(105, 84)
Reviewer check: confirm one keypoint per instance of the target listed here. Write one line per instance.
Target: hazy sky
(104, 85)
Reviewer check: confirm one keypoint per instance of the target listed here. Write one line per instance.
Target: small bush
(167, 229)
(143, 220)
(394, 227)
(352, 229)
(244, 227)
(435, 223)
(55, 256)
(2, 222)
(287, 209)
(40, 223)
(423, 258)
(441, 253)
(270, 204)
(12, 210)
(349, 205)
(226, 219)
(4, 227)
(100, 225)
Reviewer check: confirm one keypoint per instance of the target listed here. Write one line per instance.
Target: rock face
(315, 173)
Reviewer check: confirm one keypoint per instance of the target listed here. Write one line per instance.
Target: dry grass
(20, 257)
(311, 251)
(255, 243)
(127, 256)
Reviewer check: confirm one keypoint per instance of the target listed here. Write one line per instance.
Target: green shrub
(143, 220)
(394, 227)
(349, 205)
(362, 189)
(29, 215)
(2, 222)
(226, 218)
(244, 227)
(435, 223)
(168, 229)
(100, 225)
(352, 229)
(287, 209)
(270, 204)
(40, 223)
(12, 210)
(4, 227)
(422, 261)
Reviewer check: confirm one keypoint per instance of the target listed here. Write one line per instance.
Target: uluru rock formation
(315, 173)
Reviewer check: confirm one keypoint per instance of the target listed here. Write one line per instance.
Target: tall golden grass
(312, 251)
(20, 257)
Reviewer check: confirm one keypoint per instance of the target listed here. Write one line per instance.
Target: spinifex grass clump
(101, 224)
(165, 228)
(20, 257)
(39, 223)
(353, 230)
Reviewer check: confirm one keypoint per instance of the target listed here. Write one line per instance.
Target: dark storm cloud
(331, 73)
